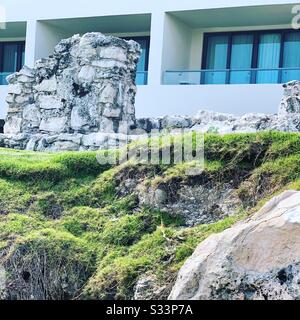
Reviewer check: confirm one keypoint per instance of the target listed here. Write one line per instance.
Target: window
(142, 67)
(217, 59)
(251, 57)
(11, 58)
(241, 58)
(291, 56)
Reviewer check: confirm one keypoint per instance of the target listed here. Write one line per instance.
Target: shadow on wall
(2, 122)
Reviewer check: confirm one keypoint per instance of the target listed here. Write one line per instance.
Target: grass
(67, 208)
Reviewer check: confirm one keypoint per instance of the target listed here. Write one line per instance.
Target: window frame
(256, 41)
(20, 50)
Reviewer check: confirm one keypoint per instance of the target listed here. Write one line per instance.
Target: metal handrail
(187, 77)
(229, 70)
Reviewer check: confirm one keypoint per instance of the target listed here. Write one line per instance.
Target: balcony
(230, 76)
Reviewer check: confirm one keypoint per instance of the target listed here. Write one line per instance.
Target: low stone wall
(287, 119)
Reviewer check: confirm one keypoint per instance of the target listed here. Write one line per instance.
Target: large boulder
(258, 259)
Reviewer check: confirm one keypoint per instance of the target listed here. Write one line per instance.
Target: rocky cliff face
(75, 98)
(255, 260)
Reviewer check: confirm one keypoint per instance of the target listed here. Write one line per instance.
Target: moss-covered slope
(67, 232)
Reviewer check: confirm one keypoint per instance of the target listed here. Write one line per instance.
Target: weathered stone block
(47, 85)
(50, 102)
(27, 98)
(54, 125)
(13, 125)
(32, 115)
(15, 89)
(94, 139)
(108, 94)
(79, 119)
(86, 74)
(114, 53)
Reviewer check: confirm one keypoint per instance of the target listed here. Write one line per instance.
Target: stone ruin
(82, 98)
(77, 99)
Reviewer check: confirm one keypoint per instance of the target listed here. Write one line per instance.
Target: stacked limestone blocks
(84, 90)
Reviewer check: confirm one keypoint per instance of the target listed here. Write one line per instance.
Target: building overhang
(237, 16)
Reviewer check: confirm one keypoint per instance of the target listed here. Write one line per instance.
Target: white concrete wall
(47, 38)
(3, 104)
(176, 44)
(17, 10)
(152, 101)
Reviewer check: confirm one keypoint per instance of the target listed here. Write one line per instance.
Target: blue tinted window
(291, 57)
(217, 55)
(269, 58)
(241, 58)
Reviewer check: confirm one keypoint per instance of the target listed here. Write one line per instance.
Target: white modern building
(223, 55)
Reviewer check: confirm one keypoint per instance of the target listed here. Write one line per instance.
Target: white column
(30, 43)
(156, 48)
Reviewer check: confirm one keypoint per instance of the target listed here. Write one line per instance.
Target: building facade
(227, 56)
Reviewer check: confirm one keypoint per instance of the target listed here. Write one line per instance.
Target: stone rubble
(258, 259)
(287, 119)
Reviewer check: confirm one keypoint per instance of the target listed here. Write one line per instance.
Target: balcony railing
(230, 76)
(141, 78)
(3, 76)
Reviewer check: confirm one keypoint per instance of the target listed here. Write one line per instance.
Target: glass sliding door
(11, 59)
(271, 56)
(216, 59)
(291, 57)
(142, 66)
(241, 58)
(268, 58)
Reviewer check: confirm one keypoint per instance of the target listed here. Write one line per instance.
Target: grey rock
(196, 204)
(249, 261)
(54, 124)
(148, 288)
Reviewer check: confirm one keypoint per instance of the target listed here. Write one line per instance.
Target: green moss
(81, 220)
(29, 166)
(68, 208)
(45, 255)
(128, 229)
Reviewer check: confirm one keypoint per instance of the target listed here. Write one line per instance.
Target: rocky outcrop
(196, 203)
(258, 259)
(79, 96)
